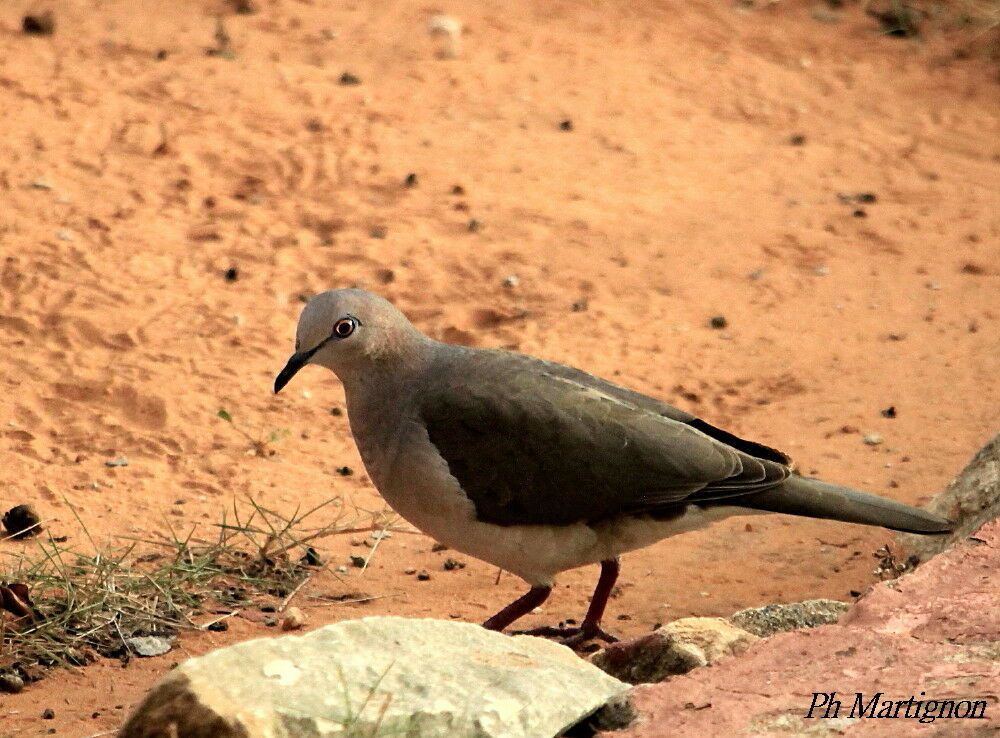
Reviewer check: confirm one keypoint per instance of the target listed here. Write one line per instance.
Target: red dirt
(130, 184)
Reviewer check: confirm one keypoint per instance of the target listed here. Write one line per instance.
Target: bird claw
(571, 637)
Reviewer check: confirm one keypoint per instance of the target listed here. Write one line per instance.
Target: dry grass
(82, 605)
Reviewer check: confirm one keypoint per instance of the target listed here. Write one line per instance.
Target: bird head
(348, 331)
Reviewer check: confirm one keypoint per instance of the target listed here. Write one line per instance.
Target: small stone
(348, 79)
(22, 521)
(379, 232)
(566, 125)
(336, 412)
(358, 561)
(147, 646)
(11, 683)
(345, 471)
(120, 461)
(41, 184)
(873, 439)
(821, 271)
(219, 626)
(39, 24)
(423, 576)
(452, 564)
(889, 412)
(860, 213)
(410, 181)
(243, 7)
(511, 281)
(438, 547)
(410, 571)
(579, 306)
(231, 274)
(718, 322)
(311, 557)
(294, 619)
(798, 139)
(868, 198)
(48, 714)
(64, 235)
(457, 190)
(474, 225)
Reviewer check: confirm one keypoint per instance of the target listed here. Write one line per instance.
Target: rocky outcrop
(675, 648)
(377, 676)
(933, 634)
(770, 619)
(971, 499)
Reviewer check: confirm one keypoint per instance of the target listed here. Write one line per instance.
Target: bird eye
(344, 327)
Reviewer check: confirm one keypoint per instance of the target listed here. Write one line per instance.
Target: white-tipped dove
(537, 467)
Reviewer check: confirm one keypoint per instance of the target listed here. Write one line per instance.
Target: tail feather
(813, 498)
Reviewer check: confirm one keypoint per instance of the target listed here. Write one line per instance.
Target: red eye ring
(344, 327)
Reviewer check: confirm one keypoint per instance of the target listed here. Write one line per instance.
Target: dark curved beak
(295, 362)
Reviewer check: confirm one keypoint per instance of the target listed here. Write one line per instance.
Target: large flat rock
(377, 676)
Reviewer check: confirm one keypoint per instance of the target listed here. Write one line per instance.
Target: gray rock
(676, 648)
(150, 645)
(971, 499)
(770, 619)
(378, 676)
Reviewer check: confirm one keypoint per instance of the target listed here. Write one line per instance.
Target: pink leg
(591, 627)
(518, 608)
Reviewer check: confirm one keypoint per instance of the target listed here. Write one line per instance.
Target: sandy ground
(135, 170)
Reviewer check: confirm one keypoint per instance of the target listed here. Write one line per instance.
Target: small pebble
(358, 561)
(349, 79)
(345, 471)
(294, 619)
(474, 225)
(457, 190)
(860, 213)
(379, 232)
(48, 714)
(873, 439)
(718, 322)
(220, 626)
(411, 571)
(231, 274)
(423, 576)
(336, 412)
(889, 412)
(579, 306)
(311, 557)
(22, 521)
(120, 461)
(511, 281)
(11, 683)
(798, 139)
(410, 181)
(64, 235)
(451, 564)
(439, 547)
(566, 125)
(41, 24)
(821, 271)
